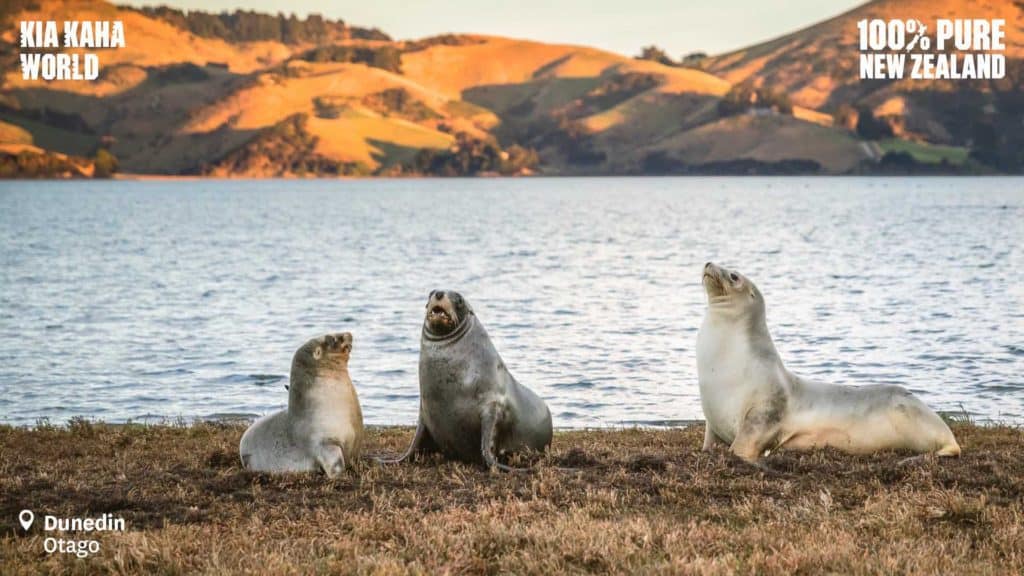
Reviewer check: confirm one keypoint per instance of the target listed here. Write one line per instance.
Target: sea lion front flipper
(758, 432)
(488, 428)
(711, 439)
(331, 458)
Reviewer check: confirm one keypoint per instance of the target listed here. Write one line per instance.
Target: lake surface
(150, 300)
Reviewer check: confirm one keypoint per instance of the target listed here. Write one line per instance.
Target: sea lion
(322, 428)
(471, 407)
(754, 404)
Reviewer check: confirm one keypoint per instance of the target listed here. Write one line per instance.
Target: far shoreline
(189, 178)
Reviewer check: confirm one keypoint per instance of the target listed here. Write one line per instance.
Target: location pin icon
(26, 518)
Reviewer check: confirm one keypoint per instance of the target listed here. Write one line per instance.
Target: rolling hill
(278, 96)
(818, 67)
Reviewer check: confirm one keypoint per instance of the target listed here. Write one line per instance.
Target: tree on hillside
(655, 54)
(871, 128)
(694, 60)
(383, 57)
(249, 25)
(745, 96)
(471, 156)
(104, 164)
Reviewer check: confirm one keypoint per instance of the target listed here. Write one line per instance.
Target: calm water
(149, 300)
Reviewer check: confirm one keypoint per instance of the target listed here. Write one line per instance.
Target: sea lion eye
(734, 277)
(318, 353)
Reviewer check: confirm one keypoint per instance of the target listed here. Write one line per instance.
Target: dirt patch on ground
(619, 501)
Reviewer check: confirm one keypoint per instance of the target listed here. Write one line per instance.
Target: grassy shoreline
(640, 500)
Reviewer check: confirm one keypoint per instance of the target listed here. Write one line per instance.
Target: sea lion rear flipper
(331, 459)
(488, 427)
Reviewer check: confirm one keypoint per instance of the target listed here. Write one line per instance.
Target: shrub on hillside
(470, 157)
(284, 149)
(439, 40)
(655, 54)
(28, 164)
(694, 60)
(104, 164)
(399, 102)
(248, 26)
(871, 128)
(383, 57)
(743, 97)
(183, 73)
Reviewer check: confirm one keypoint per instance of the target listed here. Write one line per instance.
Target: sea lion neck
(330, 366)
(454, 335)
(726, 311)
(302, 381)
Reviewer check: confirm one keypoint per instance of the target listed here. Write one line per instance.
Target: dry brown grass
(641, 501)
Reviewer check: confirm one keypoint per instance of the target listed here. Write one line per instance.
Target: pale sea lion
(322, 428)
(754, 404)
(471, 408)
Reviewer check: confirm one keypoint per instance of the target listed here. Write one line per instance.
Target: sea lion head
(731, 292)
(447, 310)
(322, 355)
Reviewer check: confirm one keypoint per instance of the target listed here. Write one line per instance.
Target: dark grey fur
(471, 408)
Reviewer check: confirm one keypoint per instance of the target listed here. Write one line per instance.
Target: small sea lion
(322, 428)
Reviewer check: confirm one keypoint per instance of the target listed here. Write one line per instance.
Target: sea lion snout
(340, 342)
(443, 311)
(712, 278)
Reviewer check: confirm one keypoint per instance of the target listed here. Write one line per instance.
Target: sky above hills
(680, 27)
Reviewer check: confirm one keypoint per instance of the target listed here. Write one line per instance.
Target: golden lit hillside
(184, 98)
(501, 61)
(151, 42)
(818, 65)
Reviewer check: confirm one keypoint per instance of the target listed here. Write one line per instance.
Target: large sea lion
(471, 408)
(754, 404)
(322, 428)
